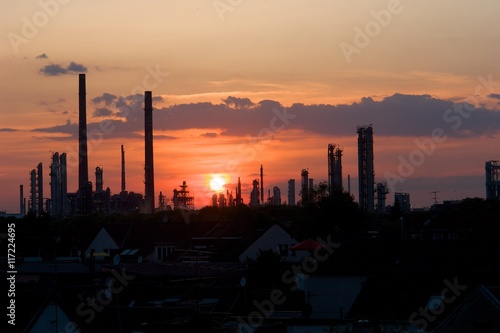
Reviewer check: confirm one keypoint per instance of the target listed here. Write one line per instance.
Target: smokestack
(149, 166)
(261, 184)
(83, 165)
(238, 193)
(21, 200)
(39, 184)
(123, 169)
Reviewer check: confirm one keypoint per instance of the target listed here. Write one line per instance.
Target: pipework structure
(182, 199)
(59, 184)
(255, 194)
(334, 168)
(382, 192)
(304, 189)
(239, 199)
(492, 169)
(366, 172)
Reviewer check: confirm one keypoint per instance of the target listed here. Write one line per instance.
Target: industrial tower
(291, 192)
(84, 186)
(59, 185)
(366, 172)
(334, 168)
(149, 200)
(492, 169)
(182, 199)
(304, 189)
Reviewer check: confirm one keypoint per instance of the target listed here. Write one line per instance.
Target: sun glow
(217, 183)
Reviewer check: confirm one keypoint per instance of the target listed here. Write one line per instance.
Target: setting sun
(217, 183)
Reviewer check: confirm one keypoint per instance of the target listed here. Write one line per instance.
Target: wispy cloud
(5, 129)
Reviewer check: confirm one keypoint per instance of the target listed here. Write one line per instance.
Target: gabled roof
(45, 318)
(307, 245)
(144, 236)
(468, 308)
(275, 233)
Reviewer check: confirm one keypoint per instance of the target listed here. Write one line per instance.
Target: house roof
(307, 245)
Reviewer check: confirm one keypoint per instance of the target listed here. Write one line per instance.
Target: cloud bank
(396, 115)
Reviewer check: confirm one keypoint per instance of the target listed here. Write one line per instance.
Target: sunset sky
(242, 83)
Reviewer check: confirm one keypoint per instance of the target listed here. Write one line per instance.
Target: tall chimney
(123, 169)
(83, 165)
(149, 166)
(261, 184)
(21, 200)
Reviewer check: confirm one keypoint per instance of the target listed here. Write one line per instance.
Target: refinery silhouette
(87, 199)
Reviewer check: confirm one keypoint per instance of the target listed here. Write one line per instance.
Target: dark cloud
(209, 135)
(67, 128)
(238, 102)
(396, 115)
(102, 112)
(495, 96)
(53, 70)
(106, 98)
(74, 67)
(8, 129)
(42, 56)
